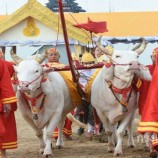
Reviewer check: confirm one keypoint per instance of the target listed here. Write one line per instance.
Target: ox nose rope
(28, 83)
(33, 101)
(112, 62)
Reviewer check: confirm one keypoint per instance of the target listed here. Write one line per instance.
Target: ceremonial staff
(72, 66)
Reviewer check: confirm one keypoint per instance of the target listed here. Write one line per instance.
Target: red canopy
(96, 27)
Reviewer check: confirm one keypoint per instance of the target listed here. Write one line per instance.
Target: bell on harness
(124, 109)
(35, 117)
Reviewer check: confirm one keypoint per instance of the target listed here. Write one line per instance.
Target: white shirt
(85, 76)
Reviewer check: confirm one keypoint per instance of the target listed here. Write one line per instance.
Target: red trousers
(8, 133)
(67, 130)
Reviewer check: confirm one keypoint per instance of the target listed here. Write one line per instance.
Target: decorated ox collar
(33, 101)
(125, 97)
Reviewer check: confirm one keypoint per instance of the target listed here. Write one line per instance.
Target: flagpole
(72, 67)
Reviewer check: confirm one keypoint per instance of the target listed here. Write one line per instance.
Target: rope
(82, 75)
(56, 45)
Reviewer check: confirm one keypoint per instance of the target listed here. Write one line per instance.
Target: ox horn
(43, 56)
(16, 58)
(107, 50)
(140, 47)
(98, 42)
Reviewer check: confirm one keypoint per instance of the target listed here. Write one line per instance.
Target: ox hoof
(110, 150)
(131, 146)
(153, 154)
(45, 156)
(47, 153)
(41, 151)
(118, 154)
(59, 146)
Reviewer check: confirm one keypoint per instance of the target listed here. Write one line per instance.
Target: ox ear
(45, 85)
(15, 68)
(47, 69)
(140, 47)
(109, 72)
(43, 56)
(98, 42)
(16, 58)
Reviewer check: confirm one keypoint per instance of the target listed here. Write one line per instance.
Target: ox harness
(124, 93)
(136, 84)
(33, 101)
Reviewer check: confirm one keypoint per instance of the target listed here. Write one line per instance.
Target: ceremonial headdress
(52, 50)
(87, 57)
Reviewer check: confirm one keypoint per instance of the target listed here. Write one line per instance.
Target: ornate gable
(37, 11)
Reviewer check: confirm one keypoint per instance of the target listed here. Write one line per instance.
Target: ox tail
(74, 120)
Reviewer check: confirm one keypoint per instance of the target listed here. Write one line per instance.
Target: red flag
(96, 27)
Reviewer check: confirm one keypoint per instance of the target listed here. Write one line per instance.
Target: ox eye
(118, 56)
(37, 71)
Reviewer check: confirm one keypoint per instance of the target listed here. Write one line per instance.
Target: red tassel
(44, 79)
(108, 65)
(46, 65)
(15, 82)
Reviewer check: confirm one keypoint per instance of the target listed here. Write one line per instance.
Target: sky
(92, 5)
(10, 6)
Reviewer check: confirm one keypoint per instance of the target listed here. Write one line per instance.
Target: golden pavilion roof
(119, 24)
(41, 13)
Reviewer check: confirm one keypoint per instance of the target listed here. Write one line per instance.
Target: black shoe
(80, 131)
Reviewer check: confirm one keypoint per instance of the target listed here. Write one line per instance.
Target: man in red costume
(146, 84)
(53, 60)
(8, 133)
(148, 125)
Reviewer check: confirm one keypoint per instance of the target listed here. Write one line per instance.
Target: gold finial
(31, 1)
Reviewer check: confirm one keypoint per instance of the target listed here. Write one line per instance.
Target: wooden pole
(72, 67)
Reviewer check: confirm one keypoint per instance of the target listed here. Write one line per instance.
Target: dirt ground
(79, 147)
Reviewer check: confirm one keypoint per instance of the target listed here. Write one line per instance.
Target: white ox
(113, 85)
(43, 100)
